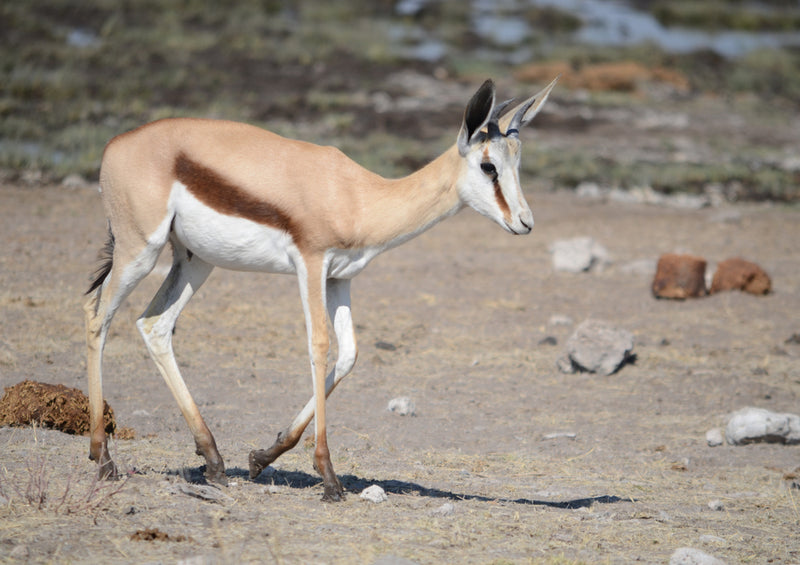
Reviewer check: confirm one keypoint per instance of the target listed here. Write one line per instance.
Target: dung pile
(51, 406)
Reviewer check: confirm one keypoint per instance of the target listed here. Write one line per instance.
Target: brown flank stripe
(221, 195)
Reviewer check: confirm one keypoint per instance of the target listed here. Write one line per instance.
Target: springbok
(232, 195)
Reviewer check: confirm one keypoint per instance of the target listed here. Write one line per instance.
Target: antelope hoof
(215, 473)
(334, 492)
(107, 470)
(258, 462)
(259, 459)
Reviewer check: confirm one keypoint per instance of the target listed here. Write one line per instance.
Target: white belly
(230, 242)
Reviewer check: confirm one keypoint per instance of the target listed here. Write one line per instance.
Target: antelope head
(490, 148)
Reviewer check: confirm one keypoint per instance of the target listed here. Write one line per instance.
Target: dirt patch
(468, 323)
(51, 406)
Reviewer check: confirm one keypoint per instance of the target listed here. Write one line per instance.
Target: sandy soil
(455, 320)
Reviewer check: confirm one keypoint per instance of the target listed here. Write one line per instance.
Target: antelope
(232, 195)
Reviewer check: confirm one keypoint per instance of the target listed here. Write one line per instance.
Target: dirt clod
(679, 276)
(154, 534)
(50, 406)
(738, 274)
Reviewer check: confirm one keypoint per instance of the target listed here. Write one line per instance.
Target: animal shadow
(354, 485)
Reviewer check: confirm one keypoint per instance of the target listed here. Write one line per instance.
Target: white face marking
(496, 194)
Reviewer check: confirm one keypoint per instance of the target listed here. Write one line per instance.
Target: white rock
(716, 505)
(690, 556)
(578, 254)
(74, 181)
(558, 435)
(374, 493)
(750, 425)
(715, 437)
(597, 347)
(710, 538)
(402, 405)
(560, 320)
(445, 509)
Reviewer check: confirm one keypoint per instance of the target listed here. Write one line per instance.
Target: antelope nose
(526, 219)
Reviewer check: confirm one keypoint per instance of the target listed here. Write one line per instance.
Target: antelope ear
(476, 116)
(525, 112)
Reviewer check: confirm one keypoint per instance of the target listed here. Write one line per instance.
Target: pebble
(597, 347)
(446, 509)
(557, 435)
(716, 505)
(690, 556)
(374, 493)
(715, 437)
(402, 406)
(579, 254)
(753, 425)
(560, 320)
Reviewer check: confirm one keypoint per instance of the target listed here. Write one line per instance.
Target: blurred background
(656, 96)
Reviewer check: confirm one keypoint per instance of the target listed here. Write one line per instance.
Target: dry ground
(463, 309)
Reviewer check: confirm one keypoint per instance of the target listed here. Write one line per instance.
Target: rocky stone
(446, 509)
(757, 425)
(402, 406)
(690, 556)
(715, 437)
(679, 276)
(597, 347)
(738, 274)
(578, 254)
(374, 493)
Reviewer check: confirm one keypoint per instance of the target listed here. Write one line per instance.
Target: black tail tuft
(106, 256)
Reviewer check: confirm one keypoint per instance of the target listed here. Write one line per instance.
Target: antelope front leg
(313, 292)
(338, 304)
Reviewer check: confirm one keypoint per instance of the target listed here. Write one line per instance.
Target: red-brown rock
(679, 276)
(738, 274)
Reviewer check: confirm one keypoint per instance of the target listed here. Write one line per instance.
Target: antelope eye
(488, 168)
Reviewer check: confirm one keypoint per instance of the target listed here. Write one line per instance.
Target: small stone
(679, 276)
(754, 425)
(560, 320)
(690, 556)
(446, 509)
(597, 347)
(557, 435)
(402, 406)
(74, 181)
(716, 505)
(710, 538)
(374, 493)
(738, 274)
(715, 437)
(565, 365)
(578, 255)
